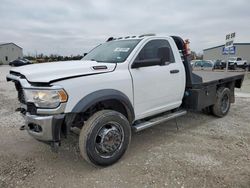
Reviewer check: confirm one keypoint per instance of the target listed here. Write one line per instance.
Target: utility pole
(229, 44)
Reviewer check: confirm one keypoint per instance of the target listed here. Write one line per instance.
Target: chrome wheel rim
(109, 139)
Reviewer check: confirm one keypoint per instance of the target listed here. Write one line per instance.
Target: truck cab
(128, 83)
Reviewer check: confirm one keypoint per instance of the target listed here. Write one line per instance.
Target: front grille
(19, 89)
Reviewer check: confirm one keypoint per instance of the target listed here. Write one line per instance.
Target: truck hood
(50, 72)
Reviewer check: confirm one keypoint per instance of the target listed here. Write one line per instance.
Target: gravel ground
(204, 152)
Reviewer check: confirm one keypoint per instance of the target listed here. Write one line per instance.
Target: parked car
(234, 62)
(219, 64)
(203, 65)
(19, 62)
(125, 84)
(224, 63)
(193, 61)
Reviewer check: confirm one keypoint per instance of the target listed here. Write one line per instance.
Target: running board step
(158, 120)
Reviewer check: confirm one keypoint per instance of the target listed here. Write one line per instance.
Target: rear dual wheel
(222, 104)
(104, 138)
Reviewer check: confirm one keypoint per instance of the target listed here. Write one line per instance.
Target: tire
(222, 105)
(245, 66)
(235, 66)
(104, 138)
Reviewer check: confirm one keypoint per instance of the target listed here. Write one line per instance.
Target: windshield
(112, 51)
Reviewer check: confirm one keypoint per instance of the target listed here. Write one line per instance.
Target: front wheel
(104, 138)
(222, 104)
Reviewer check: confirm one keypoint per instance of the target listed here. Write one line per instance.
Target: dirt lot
(205, 152)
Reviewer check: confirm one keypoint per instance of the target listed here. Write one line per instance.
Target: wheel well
(112, 104)
(231, 87)
(77, 119)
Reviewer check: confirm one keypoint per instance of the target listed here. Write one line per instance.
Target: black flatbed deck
(216, 77)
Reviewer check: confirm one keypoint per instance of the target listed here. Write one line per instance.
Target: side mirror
(85, 54)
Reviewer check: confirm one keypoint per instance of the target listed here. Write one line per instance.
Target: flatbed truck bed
(213, 77)
(202, 91)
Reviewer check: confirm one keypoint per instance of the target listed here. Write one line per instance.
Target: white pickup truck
(124, 84)
(234, 62)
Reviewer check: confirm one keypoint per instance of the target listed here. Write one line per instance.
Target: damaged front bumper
(44, 128)
(42, 124)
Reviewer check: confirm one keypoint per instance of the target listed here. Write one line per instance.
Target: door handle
(174, 71)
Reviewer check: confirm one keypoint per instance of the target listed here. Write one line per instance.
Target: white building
(219, 52)
(10, 52)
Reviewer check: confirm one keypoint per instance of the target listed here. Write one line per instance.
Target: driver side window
(150, 50)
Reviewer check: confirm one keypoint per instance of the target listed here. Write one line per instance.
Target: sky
(73, 27)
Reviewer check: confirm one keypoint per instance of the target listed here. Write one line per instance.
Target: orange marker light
(63, 96)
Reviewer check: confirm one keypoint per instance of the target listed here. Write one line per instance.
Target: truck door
(157, 88)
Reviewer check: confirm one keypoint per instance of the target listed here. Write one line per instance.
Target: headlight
(45, 98)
